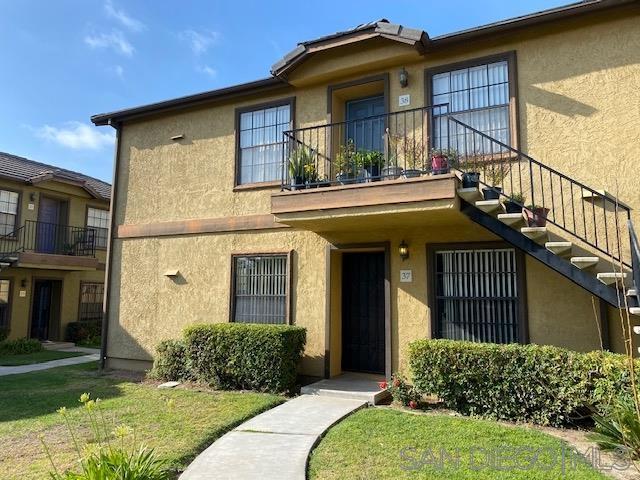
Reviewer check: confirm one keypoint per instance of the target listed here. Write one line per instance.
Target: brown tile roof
(29, 171)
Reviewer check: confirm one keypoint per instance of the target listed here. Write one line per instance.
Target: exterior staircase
(587, 236)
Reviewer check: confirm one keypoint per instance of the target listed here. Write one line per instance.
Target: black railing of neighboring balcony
(635, 258)
(50, 238)
(403, 144)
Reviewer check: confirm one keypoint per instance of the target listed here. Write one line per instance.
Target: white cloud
(121, 16)
(200, 41)
(115, 40)
(77, 136)
(207, 70)
(118, 71)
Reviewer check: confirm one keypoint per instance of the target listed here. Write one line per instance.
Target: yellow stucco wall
(578, 91)
(78, 201)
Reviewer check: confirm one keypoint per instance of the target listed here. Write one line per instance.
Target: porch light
(404, 77)
(403, 250)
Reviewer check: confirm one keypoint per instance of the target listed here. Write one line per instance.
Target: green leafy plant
(83, 331)
(529, 383)
(494, 174)
(20, 346)
(344, 162)
(368, 159)
(171, 361)
(245, 356)
(619, 429)
(112, 454)
(518, 197)
(403, 392)
(300, 160)
(4, 333)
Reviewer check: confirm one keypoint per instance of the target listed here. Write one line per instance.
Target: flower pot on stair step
(491, 193)
(536, 216)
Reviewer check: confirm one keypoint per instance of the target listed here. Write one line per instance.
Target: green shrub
(82, 331)
(20, 346)
(4, 333)
(171, 362)
(403, 392)
(243, 356)
(619, 429)
(530, 383)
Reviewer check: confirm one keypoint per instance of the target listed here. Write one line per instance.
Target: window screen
(91, 295)
(8, 211)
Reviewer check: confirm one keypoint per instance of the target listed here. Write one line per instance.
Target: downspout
(109, 266)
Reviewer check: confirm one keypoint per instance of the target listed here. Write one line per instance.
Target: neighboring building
(53, 241)
(212, 225)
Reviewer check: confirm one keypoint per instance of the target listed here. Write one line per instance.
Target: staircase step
(559, 248)
(635, 311)
(632, 292)
(470, 195)
(489, 206)
(610, 278)
(511, 219)
(534, 233)
(584, 262)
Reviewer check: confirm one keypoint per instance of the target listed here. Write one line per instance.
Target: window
(8, 212)
(91, 295)
(261, 143)
(479, 97)
(260, 286)
(5, 287)
(477, 295)
(98, 219)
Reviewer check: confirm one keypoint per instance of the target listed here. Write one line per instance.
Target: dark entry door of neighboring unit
(363, 312)
(45, 310)
(366, 133)
(48, 232)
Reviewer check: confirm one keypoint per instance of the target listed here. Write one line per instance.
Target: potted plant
(373, 160)
(515, 203)
(442, 160)
(310, 175)
(536, 215)
(413, 154)
(299, 160)
(470, 172)
(391, 168)
(344, 163)
(494, 176)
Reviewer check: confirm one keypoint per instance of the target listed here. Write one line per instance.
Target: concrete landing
(357, 386)
(273, 445)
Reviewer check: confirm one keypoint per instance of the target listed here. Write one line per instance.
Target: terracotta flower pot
(536, 217)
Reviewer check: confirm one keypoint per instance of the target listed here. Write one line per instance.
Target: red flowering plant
(403, 392)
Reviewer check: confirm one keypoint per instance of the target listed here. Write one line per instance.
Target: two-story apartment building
(319, 197)
(53, 241)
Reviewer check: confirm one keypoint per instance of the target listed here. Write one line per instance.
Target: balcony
(346, 174)
(49, 246)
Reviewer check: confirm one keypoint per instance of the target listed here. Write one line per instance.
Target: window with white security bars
(477, 295)
(260, 289)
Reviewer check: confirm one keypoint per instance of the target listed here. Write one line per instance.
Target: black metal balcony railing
(50, 238)
(401, 144)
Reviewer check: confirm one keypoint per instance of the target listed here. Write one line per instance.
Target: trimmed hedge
(4, 333)
(529, 383)
(20, 346)
(234, 356)
(171, 362)
(82, 331)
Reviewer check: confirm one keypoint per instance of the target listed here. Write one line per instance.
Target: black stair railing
(594, 218)
(635, 259)
(11, 244)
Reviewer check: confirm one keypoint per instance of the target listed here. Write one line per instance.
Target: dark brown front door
(45, 310)
(363, 312)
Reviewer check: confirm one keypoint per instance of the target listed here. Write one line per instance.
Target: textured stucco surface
(579, 111)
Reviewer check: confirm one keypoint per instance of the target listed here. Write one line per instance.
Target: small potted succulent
(494, 176)
(442, 160)
(515, 203)
(536, 215)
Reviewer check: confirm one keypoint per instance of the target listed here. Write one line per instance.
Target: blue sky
(62, 61)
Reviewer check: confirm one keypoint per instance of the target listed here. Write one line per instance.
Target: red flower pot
(536, 217)
(439, 164)
(413, 404)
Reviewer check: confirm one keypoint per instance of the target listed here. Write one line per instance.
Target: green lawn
(388, 444)
(178, 423)
(38, 357)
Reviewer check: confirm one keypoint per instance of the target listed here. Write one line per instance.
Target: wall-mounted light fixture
(403, 250)
(32, 196)
(23, 283)
(404, 77)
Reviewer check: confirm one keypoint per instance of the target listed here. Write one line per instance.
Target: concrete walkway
(274, 444)
(93, 356)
